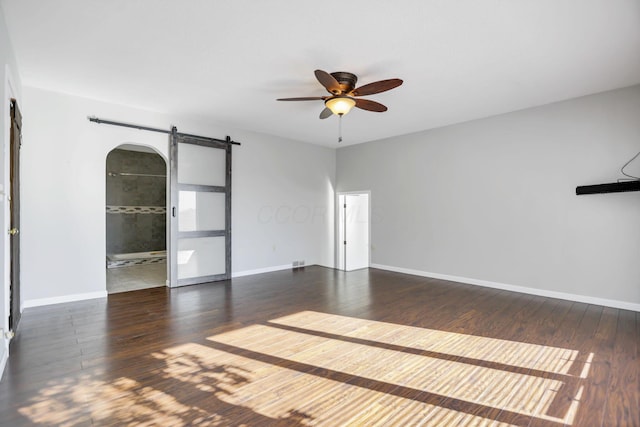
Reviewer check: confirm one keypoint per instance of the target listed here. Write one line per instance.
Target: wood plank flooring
(317, 346)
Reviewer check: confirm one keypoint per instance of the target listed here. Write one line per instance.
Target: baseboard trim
(102, 294)
(5, 355)
(272, 269)
(66, 298)
(522, 289)
(262, 270)
(324, 266)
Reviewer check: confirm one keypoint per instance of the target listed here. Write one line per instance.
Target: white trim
(4, 357)
(525, 290)
(323, 265)
(338, 239)
(262, 270)
(66, 298)
(103, 294)
(147, 148)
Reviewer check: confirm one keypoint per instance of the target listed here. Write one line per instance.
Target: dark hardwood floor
(317, 346)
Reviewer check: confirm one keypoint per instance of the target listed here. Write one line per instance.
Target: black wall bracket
(614, 187)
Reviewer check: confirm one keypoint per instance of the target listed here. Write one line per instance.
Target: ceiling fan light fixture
(340, 105)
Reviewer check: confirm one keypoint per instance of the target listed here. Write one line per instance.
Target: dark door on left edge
(14, 207)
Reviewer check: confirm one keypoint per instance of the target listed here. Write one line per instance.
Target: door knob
(14, 231)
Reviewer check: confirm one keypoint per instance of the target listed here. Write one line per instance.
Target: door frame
(9, 93)
(166, 197)
(15, 143)
(339, 243)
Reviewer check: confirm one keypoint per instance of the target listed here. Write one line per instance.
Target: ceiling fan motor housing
(347, 81)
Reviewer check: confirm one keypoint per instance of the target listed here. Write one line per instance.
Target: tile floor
(136, 277)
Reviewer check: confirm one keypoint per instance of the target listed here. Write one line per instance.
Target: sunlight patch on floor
(313, 368)
(512, 353)
(275, 391)
(120, 402)
(516, 382)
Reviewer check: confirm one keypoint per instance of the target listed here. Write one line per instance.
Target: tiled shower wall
(136, 205)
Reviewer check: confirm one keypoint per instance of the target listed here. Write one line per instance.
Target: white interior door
(201, 208)
(353, 225)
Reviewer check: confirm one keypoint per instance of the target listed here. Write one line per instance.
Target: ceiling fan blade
(328, 81)
(377, 87)
(326, 113)
(369, 105)
(304, 98)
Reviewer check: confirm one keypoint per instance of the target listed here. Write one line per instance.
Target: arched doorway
(136, 220)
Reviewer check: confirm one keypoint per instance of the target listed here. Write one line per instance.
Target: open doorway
(353, 230)
(136, 219)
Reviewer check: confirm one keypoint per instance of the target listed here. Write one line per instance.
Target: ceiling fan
(344, 94)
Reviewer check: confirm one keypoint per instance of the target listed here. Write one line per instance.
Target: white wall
(493, 201)
(283, 203)
(11, 88)
(490, 200)
(281, 192)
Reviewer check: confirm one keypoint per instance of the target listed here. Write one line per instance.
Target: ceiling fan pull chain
(340, 128)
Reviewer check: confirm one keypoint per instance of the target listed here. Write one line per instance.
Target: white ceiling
(228, 61)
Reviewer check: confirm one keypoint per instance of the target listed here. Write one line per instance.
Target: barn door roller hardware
(94, 119)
